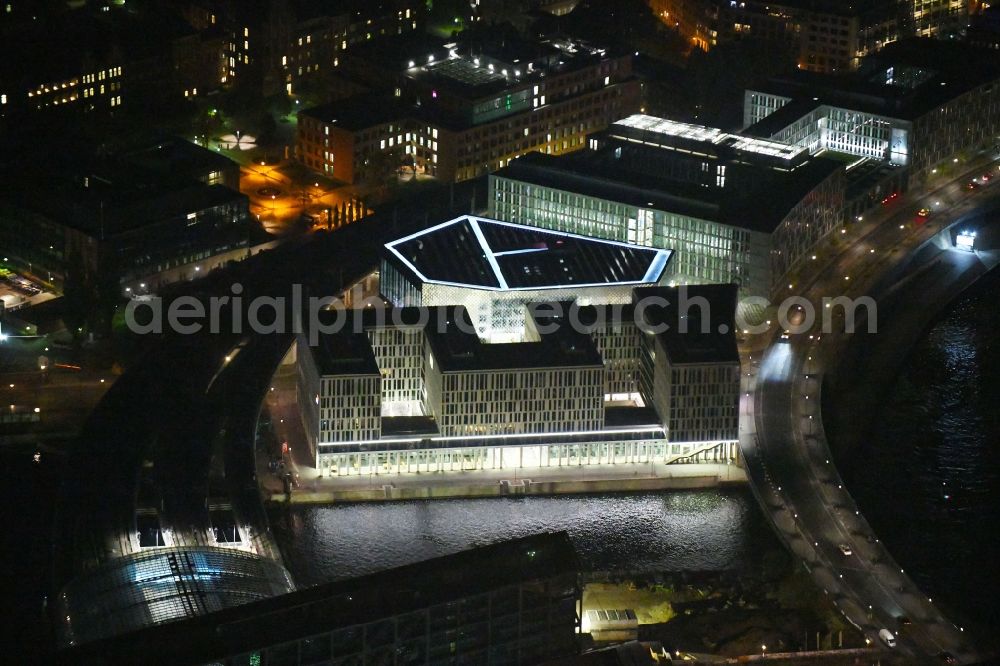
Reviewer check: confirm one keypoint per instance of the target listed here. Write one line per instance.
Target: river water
(705, 530)
(928, 476)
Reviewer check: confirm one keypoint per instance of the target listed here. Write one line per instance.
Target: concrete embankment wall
(388, 493)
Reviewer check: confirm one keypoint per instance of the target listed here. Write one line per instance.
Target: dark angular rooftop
(457, 348)
(344, 353)
(700, 321)
(487, 254)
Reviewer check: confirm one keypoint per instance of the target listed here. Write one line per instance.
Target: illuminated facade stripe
(488, 253)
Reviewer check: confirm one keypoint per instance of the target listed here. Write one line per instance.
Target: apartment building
(106, 57)
(457, 111)
(283, 45)
(821, 35)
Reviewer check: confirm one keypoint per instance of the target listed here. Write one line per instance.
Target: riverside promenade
(502, 483)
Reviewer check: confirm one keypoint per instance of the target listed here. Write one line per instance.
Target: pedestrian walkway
(522, 481)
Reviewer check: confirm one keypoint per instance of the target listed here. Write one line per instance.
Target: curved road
(784, 445)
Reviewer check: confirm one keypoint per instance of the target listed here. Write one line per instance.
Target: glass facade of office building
(704, 402)
(496, 454)
(498, 315)
(516, 401)
(399, 352)
(704, 251)
(834, 128)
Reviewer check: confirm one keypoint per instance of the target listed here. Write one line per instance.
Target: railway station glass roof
(163, 585)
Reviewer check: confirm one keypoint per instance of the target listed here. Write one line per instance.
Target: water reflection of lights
(703, 530)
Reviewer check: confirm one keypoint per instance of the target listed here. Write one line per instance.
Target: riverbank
(576, 480)
(727, 613)
(910, 299)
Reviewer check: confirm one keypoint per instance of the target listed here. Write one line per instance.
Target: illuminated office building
(939, 18)
(733, 209)
(584, 376)
(495, 268)
(915, 104)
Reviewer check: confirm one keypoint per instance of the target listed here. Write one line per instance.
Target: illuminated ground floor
(499, 457)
